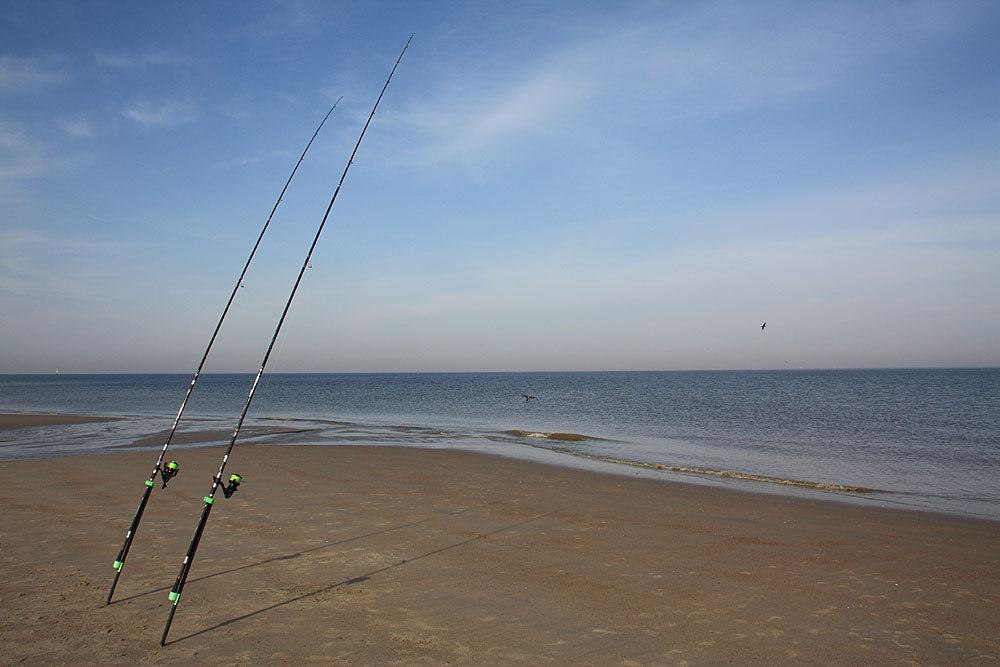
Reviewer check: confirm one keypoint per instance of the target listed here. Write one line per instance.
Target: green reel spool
(168, 471)
(234, 484)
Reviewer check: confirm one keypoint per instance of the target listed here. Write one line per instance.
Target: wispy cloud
(18, 160)
(24, 75)
(489, 122)
(27, 154)
(25, 166)
(292, 16)
(77, 128)
(127, 61)
(10, 137)
(729, 56)
(160, 114)
(708, 60)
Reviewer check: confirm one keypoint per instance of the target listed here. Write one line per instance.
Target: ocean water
(914, 438)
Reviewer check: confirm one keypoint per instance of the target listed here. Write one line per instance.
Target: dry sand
(381, 556)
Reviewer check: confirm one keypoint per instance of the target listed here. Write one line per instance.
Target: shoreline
(207, 436)
(381, 555)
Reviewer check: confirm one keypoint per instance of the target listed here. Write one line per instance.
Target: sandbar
(17, 420)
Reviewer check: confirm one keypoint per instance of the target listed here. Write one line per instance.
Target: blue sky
(546, 186)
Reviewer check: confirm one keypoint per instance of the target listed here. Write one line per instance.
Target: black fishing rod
(167, 471)
(235, 480)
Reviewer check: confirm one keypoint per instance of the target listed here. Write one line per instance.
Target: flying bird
(762, 326)
(527, 398)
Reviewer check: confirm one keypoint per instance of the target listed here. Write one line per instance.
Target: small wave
(210, 436)
(306, 419)
(565, 437)
(725, 473)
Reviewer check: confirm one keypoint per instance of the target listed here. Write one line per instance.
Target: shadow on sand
(362, 577)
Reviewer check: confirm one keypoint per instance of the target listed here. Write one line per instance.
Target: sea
(923, 439)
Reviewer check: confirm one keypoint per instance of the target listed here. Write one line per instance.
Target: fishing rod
(168, 470)
(235, 480)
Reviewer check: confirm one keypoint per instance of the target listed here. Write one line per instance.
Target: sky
(546, 186)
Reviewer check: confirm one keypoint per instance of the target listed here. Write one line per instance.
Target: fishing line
(235, 480)
(168, 470)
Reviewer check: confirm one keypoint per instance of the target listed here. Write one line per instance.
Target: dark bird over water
(762, 326)
(527, 398)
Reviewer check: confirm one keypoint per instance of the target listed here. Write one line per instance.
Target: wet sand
(29, 420)
(385, 555)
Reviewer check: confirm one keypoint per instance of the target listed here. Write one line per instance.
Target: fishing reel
(229, 489)
(168, 471)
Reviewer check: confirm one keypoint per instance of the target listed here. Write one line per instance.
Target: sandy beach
(387, 555)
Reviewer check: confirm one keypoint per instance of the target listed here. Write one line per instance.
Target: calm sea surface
(924, 439)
